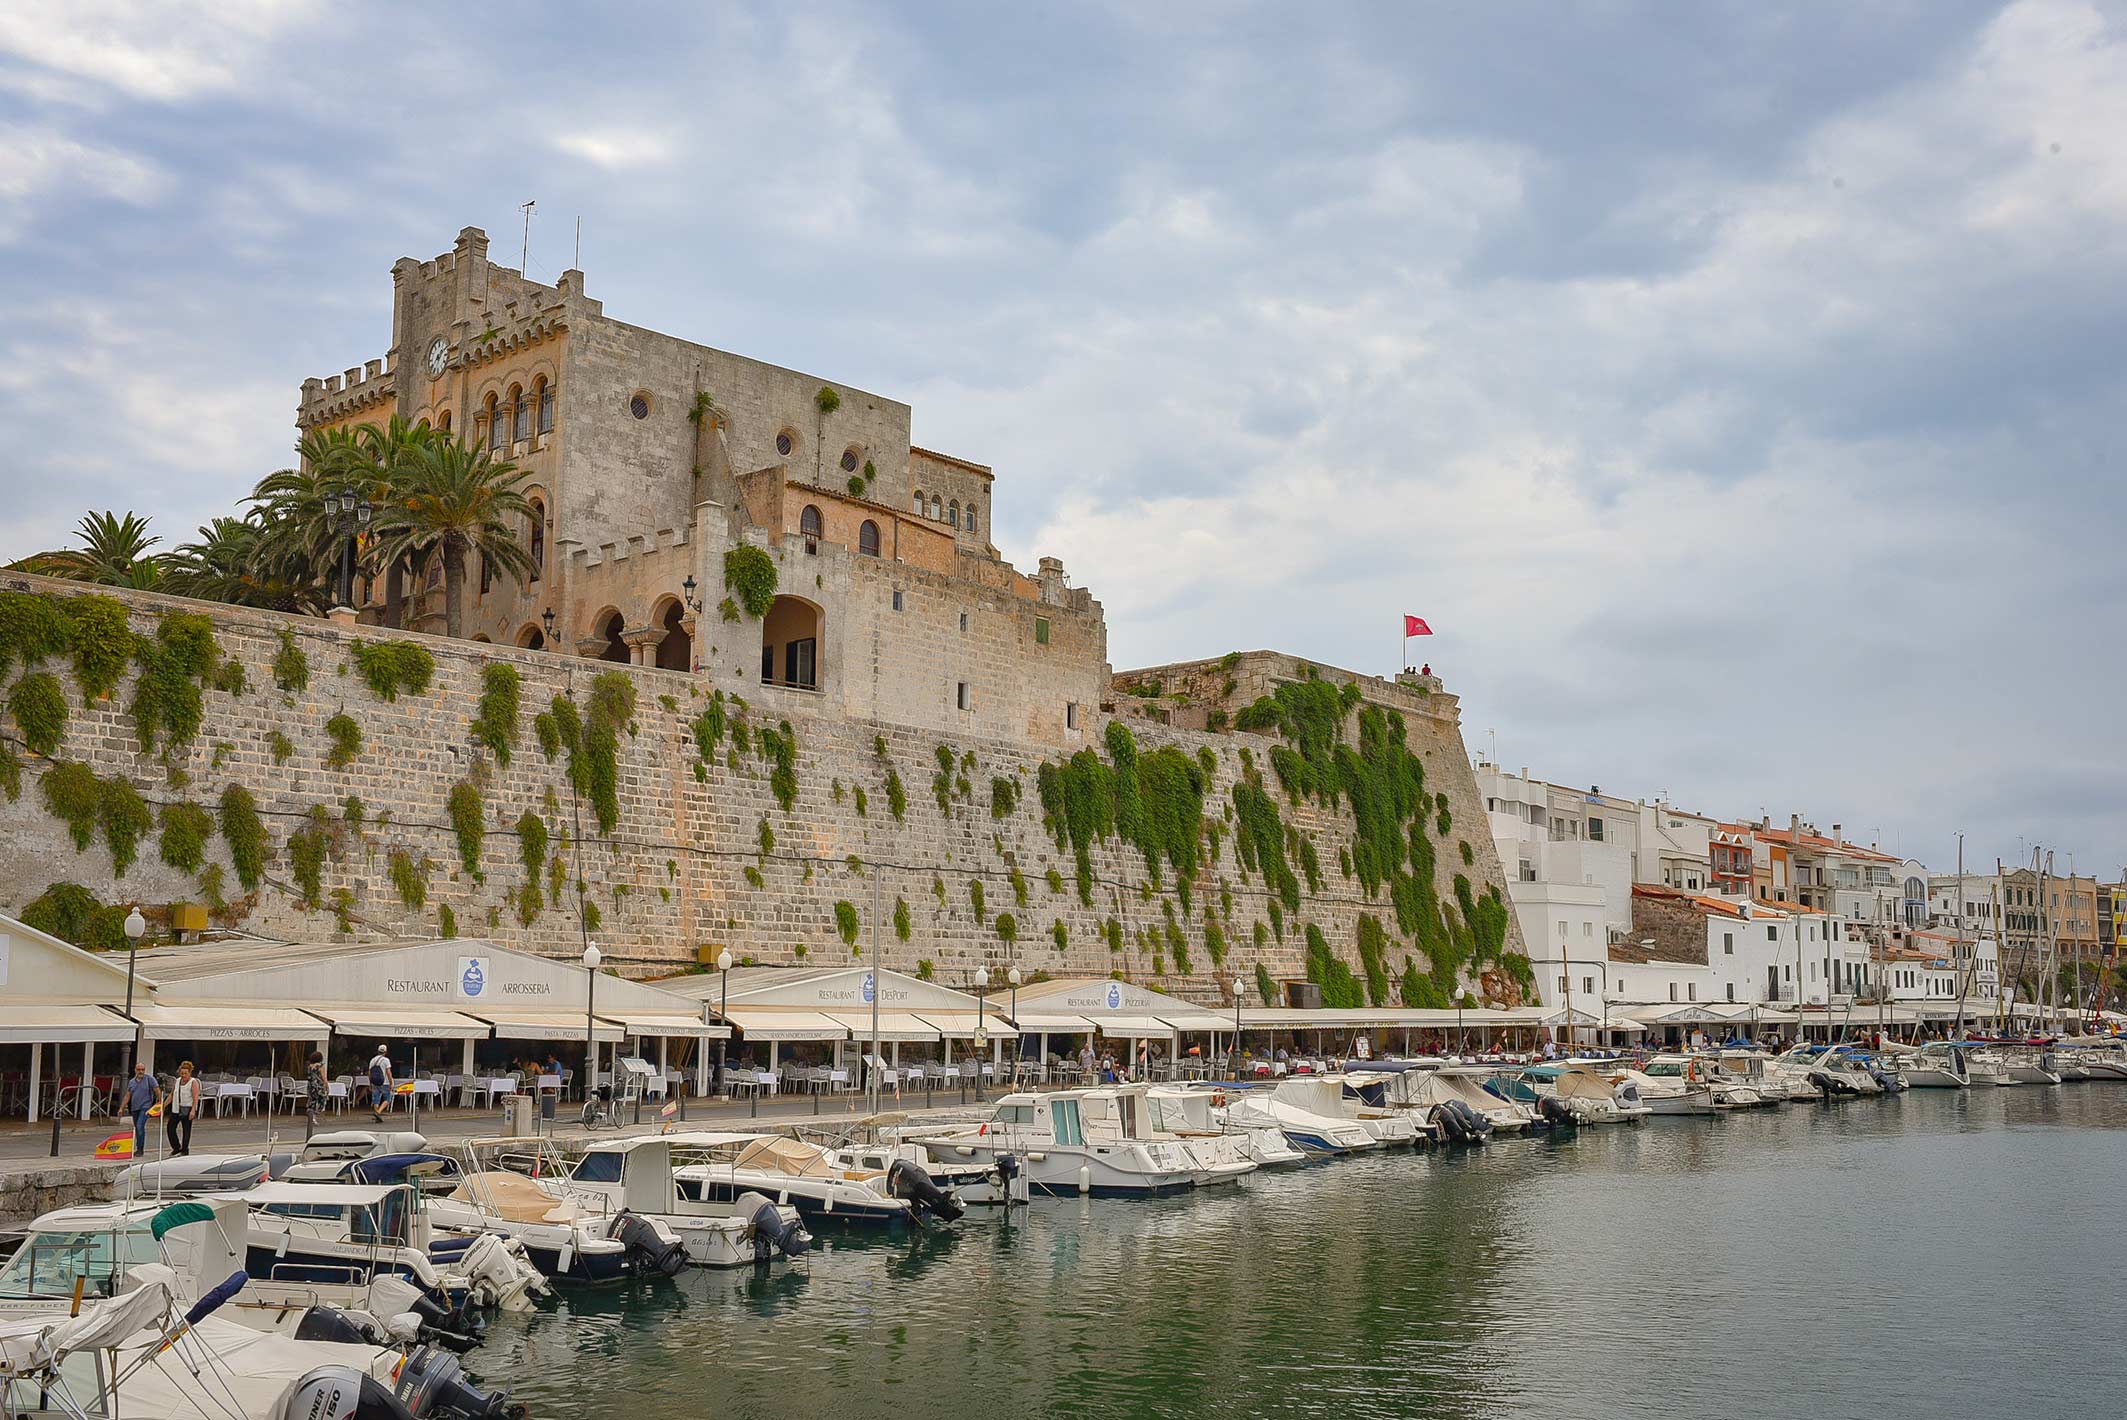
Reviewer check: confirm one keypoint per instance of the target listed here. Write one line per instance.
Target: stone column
(642, 642)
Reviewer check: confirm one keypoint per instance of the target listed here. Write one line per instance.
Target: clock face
(439, 354)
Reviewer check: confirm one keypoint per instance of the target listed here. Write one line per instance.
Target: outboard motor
(432, 1383)
(770, 1233)
(1553, 1111)
(1004, 1176)
(323, 1323)
(907, 1179)
(650, 1253)
(1446, 1125)
(1475, 1126)
(342, 1393)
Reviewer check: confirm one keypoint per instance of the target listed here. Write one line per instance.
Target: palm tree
(367, 460)
(113, 552)
(234, 561)
(449, 499)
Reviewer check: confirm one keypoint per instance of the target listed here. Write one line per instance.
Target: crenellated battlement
(357, 388)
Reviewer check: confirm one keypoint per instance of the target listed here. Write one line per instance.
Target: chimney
(1835, 834)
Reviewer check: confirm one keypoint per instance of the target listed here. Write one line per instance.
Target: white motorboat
(967, 1180)
(1262, 1107)
(1194, 1112)
(1127, 1114)
(1665, 1090)
(508, 1191)
(1045, 1135)
(1937, 1065)
(144, 1355)
(194, 1246)
(1447, 1106)
(1334, 1096)
(639, 1175)
(1586, 1097)
(718, 1168)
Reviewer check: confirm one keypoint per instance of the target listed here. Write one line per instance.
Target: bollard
(55, 1133)
(755, 1109)
(815, 1101)
(683, 1104)
(638, 1106)
(926, 1089)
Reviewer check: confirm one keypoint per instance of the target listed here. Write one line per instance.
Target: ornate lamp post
(136, 928)
(350, 513)
(723, 1008)
(1236, 1067)
(546, 622)
(982, 985)
(591, 958)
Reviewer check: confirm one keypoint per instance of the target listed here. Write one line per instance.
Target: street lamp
(982, 984)
(349, 512)
(694, 603)
(723, 1010)
(1236, 1067)
(546, 620)
(1015, 978)
(591, 957)
(136, 928)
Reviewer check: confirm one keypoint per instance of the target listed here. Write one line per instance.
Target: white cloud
(40, 163)
(616, 149)
(152, 51)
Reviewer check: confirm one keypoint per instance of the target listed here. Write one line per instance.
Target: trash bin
(520, 1114)
(547, 1101)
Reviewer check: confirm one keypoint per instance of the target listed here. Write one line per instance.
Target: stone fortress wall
(686, 867)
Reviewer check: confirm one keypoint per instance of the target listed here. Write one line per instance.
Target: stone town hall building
(651, 456)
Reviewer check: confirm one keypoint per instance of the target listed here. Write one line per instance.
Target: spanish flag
(118, 1146)
(404, 1087)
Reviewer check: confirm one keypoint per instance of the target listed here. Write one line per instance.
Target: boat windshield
(49, 1263)
(1664, 1069)
(1013, 1114)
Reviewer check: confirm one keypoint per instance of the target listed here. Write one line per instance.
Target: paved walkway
(29, 1147)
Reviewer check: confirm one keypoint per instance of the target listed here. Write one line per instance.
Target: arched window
(546, 406)
(444, 421)
(521, 415)
(539, 538)
(937, 509)
(952, 513)
(868, 538)
(809, 527)
(494, 423)
(971, 517)
(919, 502)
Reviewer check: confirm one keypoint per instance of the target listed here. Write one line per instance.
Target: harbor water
(1901, 1257)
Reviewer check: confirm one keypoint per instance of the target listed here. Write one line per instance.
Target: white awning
(20, 1025)
(387, 1024)
(667, 1023)
(1117, 1023)
(1034, 1022)
(893, 1025)
(228, 1022)
(776, 1024)
(960, 1025)
(543, 1025)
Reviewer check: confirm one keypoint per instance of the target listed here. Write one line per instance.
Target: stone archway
(793, 638)
(609, 632)
(675, 649)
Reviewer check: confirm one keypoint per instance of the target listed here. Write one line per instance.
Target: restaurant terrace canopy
(54, 996)
(428, 993)
(773, 1006)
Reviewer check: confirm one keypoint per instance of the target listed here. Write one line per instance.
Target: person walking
(315, 1094)
(184, 1108)
(379, 1084)
(143, 1093)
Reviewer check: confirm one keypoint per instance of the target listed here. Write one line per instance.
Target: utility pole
(871, 1070)
(524, 262)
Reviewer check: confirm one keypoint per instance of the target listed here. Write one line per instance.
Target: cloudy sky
(1736, 388)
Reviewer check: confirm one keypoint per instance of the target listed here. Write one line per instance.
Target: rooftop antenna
(578, 262)
(525, 261)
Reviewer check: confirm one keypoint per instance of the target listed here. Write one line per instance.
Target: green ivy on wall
(495, 724)
(750, 576)
(469, 822)
(245, 834)
(392, 667)
(38, 704)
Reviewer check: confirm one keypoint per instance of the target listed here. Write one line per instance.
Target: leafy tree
(452, 500)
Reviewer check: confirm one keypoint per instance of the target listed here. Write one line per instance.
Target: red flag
(1415, 626)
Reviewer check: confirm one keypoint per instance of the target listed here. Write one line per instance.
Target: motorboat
(322, 1157)
(1314, 1134)
(96, 1250)
(331, 1156)
(1585, 1096)
(1842, 1071)
(1666, 1088)
(151, 1354)
(1127, 1114)
(1194, 1113)
(508, 1191)
(719, 1168)
(639, 1175)
(1448, 1106)
(969, 1181)
(2031, 1066)
(1937, 1065)
(1045, 1134)
(1334, 1096)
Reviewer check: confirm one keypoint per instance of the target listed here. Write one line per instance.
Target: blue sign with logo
(1115, 995)
(472, 975)
(870, 990)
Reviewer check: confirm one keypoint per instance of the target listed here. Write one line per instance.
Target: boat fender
(432, 1383)
(1085, 1178)
(905, 1178)
(342, 1393)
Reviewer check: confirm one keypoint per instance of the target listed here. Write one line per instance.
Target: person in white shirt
(184, 1108)
(380, 1083)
